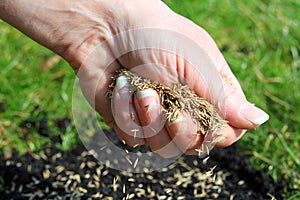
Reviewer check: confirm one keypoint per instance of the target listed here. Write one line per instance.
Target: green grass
(259, 39)
(25, 85)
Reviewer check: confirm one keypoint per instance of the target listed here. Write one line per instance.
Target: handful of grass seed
(176, 100)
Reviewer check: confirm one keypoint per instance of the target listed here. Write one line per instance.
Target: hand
(99, 37)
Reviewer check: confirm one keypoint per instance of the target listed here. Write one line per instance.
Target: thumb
(240, 113)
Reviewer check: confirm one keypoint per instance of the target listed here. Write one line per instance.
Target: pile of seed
(76, 174)
(176, 100)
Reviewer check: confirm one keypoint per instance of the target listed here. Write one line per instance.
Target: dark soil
(76, 174)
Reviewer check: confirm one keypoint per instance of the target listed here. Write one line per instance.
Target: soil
(76, 174)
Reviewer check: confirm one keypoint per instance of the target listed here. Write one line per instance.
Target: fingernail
(123, 86)
(141, 94)
(254, 114)
(175, 121)
(147, 98)
(122, 82)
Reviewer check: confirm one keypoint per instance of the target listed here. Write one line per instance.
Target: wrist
(88, 25)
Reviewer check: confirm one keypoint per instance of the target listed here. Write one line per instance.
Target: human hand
(164, 63)
(99, 37)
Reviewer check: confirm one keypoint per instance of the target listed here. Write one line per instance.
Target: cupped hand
(155, 42)
(99, 37)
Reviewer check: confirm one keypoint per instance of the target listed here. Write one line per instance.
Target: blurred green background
(259, 39)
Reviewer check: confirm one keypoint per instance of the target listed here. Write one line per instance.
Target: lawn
(259, 39)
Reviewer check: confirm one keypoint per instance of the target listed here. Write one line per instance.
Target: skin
(81, 31)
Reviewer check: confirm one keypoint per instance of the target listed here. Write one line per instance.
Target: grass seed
(176, 100)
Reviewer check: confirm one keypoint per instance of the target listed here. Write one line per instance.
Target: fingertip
(243, 115)
(254, 114)
(125, 120)
(230, 135)
(143, 94)
(148, 109)
(122, 82)
(183, 131)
